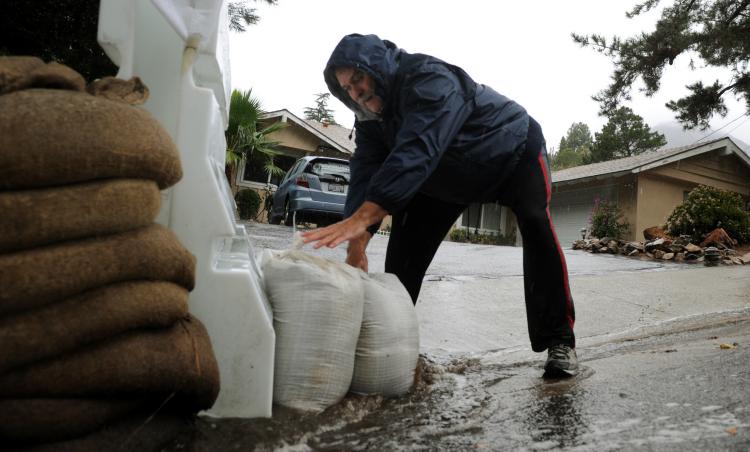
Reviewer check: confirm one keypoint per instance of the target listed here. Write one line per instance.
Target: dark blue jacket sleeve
(434, 108)
(370, 153)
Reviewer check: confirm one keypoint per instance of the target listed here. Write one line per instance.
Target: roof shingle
(628, 164)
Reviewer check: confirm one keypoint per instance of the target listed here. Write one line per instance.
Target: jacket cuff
(387, 205)
(373, 229)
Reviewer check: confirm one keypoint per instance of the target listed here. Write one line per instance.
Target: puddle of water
(456, 403)
(500, 401)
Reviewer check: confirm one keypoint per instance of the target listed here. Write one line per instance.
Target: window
(492, 216)
(330, 168)
(472, 217)
(487, 217)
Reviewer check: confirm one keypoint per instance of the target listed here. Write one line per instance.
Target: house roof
(337, 133)
(645, 161)
(334, 135)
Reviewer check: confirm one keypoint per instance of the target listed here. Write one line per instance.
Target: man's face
(360, 87)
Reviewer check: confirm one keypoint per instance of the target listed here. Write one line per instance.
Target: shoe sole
(554, 371)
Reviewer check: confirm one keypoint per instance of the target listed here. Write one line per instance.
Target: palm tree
(245, 136)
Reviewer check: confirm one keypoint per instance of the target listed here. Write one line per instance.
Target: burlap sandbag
(32, 218)
(38, 420)
(23, 72)
(55, 137)
(33, 278)
(132, 91)
(178, 359)
(141, 431)
(99, 314)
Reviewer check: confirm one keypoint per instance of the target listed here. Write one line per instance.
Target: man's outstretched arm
(351, 228)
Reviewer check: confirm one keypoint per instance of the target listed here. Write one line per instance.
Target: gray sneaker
(561, 361)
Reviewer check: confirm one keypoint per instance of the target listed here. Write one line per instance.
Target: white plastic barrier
(179, 48)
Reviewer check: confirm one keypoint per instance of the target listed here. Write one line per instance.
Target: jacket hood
(377, 57)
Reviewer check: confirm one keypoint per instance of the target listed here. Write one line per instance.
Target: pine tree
(320, 112)
(716, 31)
(240, 15)
(624, 135)
(574, 147)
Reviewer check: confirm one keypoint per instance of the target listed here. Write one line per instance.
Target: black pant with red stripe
(418, 230)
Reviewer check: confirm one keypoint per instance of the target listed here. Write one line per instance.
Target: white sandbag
(317, 313)
(388, 347)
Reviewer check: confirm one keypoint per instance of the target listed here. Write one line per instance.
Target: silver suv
(314, 190)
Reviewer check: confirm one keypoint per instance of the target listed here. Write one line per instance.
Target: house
(646, 187)
(299, 138)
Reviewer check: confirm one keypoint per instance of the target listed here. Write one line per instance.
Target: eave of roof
(643, 162)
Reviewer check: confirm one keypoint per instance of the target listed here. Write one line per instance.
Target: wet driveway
(649, 338)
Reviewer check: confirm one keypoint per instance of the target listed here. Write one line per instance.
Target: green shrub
(606, 221)
(707, 208)
(248, 202)
(466, 236)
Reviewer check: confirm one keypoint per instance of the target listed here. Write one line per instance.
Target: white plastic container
(179, 48)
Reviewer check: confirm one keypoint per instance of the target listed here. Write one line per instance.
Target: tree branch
(738, 12)
(743, 79)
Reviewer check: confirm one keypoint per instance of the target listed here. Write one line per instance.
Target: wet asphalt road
(654, 375)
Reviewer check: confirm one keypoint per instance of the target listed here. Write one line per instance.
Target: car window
(329, 168)
(293, 170)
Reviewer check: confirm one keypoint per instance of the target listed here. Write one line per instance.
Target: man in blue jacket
(429, 142)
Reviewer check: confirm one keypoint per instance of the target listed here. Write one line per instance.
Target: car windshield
(331, 169)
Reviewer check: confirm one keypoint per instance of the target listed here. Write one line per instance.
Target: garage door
(571, 210)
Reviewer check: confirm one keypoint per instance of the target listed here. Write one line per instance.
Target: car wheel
(288, 214)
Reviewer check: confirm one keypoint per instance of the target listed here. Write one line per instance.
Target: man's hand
(350, 228)
(355, 254)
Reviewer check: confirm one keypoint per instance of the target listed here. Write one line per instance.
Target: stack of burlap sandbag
(337, 330)
(94, 324)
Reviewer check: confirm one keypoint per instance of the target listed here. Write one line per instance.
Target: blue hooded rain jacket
(439, 133)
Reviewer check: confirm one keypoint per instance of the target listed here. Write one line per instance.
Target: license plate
(336, 188)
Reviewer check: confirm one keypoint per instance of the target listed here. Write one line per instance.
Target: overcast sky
(522, 49)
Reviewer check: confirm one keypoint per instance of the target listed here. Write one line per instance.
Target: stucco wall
(727, 172)
(293, 136)
(662, 189)
(657, 198)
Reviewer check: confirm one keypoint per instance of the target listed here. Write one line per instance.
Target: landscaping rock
(662, 248)
(719, 237)
(654, 232)
(638, 246)
(676, 249)
(658, 244)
